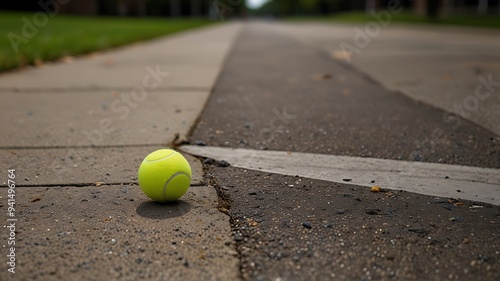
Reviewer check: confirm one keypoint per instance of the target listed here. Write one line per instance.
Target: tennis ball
(164, 175)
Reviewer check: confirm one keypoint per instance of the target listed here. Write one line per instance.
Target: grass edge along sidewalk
(485, 21)
(27, 40)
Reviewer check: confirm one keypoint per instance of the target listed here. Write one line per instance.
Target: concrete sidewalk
(456, 69)
(76, 133)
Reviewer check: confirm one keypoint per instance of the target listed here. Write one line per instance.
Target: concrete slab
(446, 79)
(438, 65)
(97, 118)
(116, 233)
(181, 55)
(82, 166)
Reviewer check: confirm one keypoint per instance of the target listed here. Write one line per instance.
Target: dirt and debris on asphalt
(265, 99)
(277, 94)
(302, 229)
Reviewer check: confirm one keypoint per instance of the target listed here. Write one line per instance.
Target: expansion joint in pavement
(100, 89)
(85, 184)
(83, 146)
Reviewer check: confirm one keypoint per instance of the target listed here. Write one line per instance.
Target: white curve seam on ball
(161, 158)
(173, 176)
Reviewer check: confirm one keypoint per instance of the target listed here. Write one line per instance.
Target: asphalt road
(276, 93)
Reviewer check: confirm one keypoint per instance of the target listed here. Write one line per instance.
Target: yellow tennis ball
(164, 175)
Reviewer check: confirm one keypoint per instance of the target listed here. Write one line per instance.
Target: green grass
(74, 35)
(461, 20)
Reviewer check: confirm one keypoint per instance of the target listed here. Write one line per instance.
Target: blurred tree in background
(429, 8)
(234, 8)
(170, 8)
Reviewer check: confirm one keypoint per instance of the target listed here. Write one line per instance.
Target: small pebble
(373, 211)
(223, 163)
(307, 225)
(418, 229)
(200, 143)
(456, 219)
(209, 161)
(445, 204)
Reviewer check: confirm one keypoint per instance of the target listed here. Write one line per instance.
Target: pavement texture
(278, 92)
(440, 180)
(294, 98)
(456, 69)
(115, 232)
(82, 166)
(294, 228)
(76, 132)
(99, 118)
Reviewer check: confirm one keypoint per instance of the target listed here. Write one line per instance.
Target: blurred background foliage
(75, 27)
